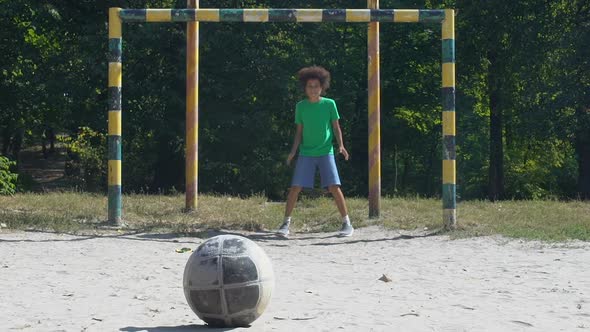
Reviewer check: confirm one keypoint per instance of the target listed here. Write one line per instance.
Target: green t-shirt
(316, 119)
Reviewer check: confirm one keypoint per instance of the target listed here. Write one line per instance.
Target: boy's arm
(296, 142)
(338, 133)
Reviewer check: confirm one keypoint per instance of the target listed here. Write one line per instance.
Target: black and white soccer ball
(228, 281)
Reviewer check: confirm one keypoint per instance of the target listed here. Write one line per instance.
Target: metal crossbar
(374, 16)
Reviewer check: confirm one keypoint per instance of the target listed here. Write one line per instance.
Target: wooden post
(192, 111)
(374, 116)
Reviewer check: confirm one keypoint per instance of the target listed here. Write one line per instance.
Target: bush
(87, 152)
(7, 178)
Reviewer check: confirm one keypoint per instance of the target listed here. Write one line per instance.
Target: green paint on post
(231, 15)
(133, 15)
(448, 51)
(282, 15)
(114, 148)
(114, 96)
(382, 15)
(449, 193)
(431, 16)
(115, 205)
(333, 15)
(115, 50)
(448, 99)
(183, 15)
(449, 151)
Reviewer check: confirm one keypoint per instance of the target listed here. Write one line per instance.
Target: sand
(133, 282)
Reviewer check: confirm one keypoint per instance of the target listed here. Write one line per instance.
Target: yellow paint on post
(309, 15)
(158, 15)
(192, 109)
(115, 74)
(406, 15)
(115, 123)
(448, 122)
(374, 114)
(114, 23)
(449, 172)
(255, 15)
(114, 172)
(207, 15)
(374, 137)
(375, 176)
(191, 170)
(448, 75)
(358, 15)
(448, 24)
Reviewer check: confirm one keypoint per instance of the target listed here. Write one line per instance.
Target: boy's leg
(303, 176)
(292, 200)
(346, 229)
(331, 180)
(339, 199)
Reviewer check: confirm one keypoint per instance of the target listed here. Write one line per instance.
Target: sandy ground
(123, 282)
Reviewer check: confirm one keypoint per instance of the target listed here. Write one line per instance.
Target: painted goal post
(373, 16)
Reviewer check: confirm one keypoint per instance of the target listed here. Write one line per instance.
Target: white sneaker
(346, 229)
(284, 230)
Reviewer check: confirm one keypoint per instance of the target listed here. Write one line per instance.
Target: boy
(316, 119)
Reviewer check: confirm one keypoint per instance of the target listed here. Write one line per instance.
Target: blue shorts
(305, 170)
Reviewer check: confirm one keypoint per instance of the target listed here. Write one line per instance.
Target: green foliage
(531, 55)
(88, 162)
(8, 179)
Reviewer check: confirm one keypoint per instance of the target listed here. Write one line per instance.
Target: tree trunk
(51, 137)
(496, 172)
(429, 168)
(44, 144)
(395, 169)
(17, 143)
(6, 138)
(48, 137)
(405, 173)
(582, 146)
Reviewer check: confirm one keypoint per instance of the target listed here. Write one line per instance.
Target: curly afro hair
(314, 72)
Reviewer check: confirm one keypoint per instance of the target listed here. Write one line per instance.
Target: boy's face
(313, 88)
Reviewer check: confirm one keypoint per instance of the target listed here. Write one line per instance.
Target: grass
(78, 212)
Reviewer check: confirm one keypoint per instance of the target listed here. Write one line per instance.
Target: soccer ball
(228, 281)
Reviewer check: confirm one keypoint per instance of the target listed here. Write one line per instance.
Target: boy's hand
(290, 157)
(344, 152)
